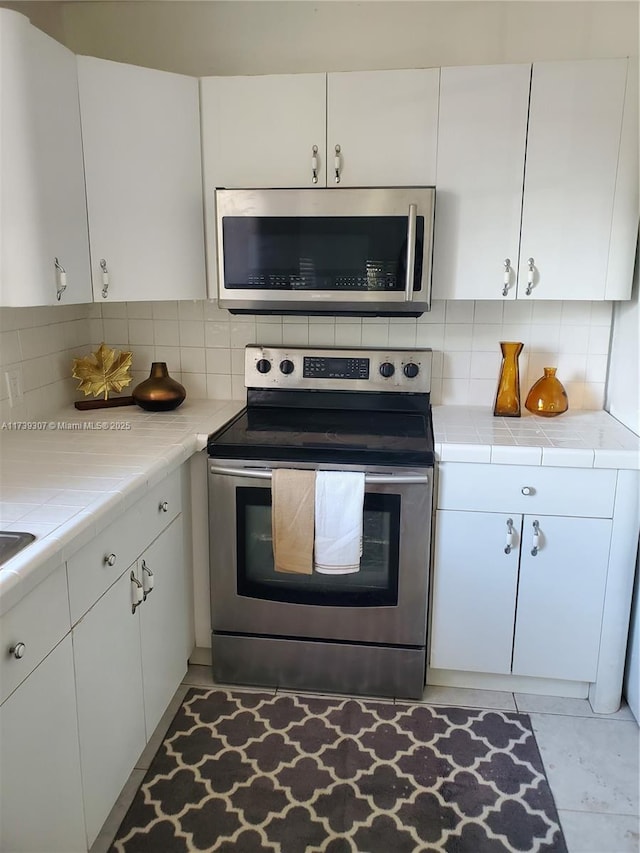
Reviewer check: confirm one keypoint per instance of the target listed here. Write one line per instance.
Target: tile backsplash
(203, 346)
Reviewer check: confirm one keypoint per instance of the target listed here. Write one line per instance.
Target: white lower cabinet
(560, 597)
(130, 657)
(521, 593)
(40, 783)
(106, 646)
(474, 594)
(164, 625)
(517, 612)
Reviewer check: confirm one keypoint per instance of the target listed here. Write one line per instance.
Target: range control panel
(308, 368)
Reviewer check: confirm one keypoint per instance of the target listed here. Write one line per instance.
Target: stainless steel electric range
(362, 410)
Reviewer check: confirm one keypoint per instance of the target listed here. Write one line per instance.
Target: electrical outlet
(13, 379)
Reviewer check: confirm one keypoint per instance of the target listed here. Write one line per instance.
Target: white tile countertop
(66, 479)
(575, 439)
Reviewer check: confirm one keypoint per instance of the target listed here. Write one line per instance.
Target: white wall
(202, 38)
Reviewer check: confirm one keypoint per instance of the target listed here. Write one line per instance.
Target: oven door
(384, 602)
(363, 251)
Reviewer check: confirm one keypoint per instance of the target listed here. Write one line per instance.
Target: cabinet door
(385, 124)
(560, 597)
(141, 131)
(260, 131)
(474, 591)
(40, 783)
(575, 124)
(43, 208)
(164, 621)
(106, 647)
(482, 130)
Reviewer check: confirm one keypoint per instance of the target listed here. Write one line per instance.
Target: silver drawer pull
(536, 538)
(507, 276)
(373, 479)
(164, 506)
(137, 592)
(528, 490)
(147, 580)
(511, 536)
(531, 272)
(18, 650)
(110, 559)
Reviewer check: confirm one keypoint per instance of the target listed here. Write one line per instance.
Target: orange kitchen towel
(292, 519)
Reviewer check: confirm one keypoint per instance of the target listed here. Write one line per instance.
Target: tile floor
(592, 762)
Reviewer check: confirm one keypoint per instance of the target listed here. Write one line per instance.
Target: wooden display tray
(104, 404)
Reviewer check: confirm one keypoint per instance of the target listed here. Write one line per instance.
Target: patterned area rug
(250, 772)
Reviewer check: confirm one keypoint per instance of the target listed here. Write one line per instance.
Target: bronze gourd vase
(507, 402)
(159, 393)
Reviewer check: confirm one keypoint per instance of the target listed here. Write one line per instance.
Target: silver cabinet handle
(265, 474)
(61, 275)
(536, 538)
(18, 650)
(507, 276)
(411, 252)
(314, 164)
(527, 490)
(110, 560)
(531, 271)
(164, 506)
(137, 592)
(337, 163)
(511, 536)
(105, 278)
(147, 580)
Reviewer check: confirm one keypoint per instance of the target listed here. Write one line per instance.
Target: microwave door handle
(373, 479)
(411, 253)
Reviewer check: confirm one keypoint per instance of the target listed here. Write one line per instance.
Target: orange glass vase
(547, 396)
(508, 395)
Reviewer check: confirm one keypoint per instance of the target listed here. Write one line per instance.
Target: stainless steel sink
(11, 542)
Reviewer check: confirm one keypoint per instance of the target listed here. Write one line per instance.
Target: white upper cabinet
(141, 133)
(563, 226)
(262, 131)
(481, 146)
(44, 249)
(571, 180)
(382, 128)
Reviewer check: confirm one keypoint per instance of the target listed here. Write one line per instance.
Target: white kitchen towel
(339, 507)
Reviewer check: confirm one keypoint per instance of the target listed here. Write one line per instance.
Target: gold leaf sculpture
(103, 371)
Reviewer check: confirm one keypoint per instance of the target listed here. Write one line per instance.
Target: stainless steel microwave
(364, 252)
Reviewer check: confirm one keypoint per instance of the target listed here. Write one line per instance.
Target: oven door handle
(373, 479)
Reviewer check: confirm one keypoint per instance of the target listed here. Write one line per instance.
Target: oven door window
(344, 254)
(375, 585)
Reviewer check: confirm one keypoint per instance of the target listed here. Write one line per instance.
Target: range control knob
(411, 370)
(286, 366)
(387, 369)
(263, 366)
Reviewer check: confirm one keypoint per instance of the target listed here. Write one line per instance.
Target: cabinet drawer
(585, 492)
(159, 507)
(89, 572)
(39, 621)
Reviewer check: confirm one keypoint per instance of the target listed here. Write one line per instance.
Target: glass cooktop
(320, 435)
